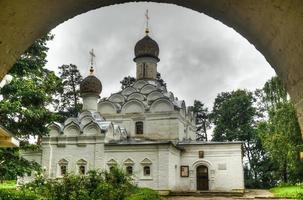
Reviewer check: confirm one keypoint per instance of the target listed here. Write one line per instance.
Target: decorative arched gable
(112, 162)
(136, 95)
(161, 105)
(148, 89)
(133, 106)
(72, 129)
(117, 98)
(54, 129)
(63, 162)
(128, 91)
(139, 84)
(128, 161)
(81, 162)
(146, 161)
(107, 107)
(91, 128)
(154, 95)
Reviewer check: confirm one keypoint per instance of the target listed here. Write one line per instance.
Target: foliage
(12, 165)
(127, 81)
(17, 195)
(281, 137)
(113, 185)
(291, 191)
(202, 120)
(69, 104)
(234, 116)
(8, 184)
(280, 133)
(23, 109)
(144, 194)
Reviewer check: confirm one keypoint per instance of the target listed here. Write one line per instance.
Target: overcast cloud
(200, 56)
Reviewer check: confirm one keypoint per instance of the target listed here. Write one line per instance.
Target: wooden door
(202, 177)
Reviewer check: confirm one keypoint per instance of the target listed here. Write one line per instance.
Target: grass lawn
(287, 191)
(8, 185)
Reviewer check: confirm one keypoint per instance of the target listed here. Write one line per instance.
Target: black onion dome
(147, 47)
(90, 85)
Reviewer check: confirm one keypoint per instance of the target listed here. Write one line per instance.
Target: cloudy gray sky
(200, 56)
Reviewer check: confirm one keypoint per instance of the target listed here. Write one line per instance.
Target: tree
(202, 120)
(12, 165)
(280, 132)
(69, 104)
(127, 81)
(25, 103)
(24, 107)
(233, 116)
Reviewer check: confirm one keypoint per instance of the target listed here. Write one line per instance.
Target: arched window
(82, 170)
(63, 170)
(82, 166)
(63, 166)
(139, 128)
(129, 170)
(146, 170)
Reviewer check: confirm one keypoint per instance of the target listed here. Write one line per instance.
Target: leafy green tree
(12, 165)
(25, 100)
(69, 103)
(25, 103)
(234, 116)
(280, 132)
(202, 120)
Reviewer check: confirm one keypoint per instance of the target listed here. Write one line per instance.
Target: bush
(113, 185)
(144, 194)
(6, 194)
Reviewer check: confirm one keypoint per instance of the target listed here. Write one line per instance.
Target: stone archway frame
(211, 174)
(272, 26)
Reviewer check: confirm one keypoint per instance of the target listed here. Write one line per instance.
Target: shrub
(6, 194)
(113, 185)
(144, 194)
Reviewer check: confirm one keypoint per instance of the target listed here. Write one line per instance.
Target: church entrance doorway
(202, 178)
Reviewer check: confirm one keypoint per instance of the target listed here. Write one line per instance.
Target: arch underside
(273, 26)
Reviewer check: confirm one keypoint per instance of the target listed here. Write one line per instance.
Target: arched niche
(139, 84)
(107, 107)
(154, 95)
(72, 129)
(91, 129)
(161, 105)
(127, 91)
(133, 106)
(136, 95)
(148, 89)
(117, 98)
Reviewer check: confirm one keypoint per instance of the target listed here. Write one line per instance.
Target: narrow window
(144, 70)
(139, 128)
(82, 170)
(146, 171)
(111, 168)
(129, 170)
(63, 170)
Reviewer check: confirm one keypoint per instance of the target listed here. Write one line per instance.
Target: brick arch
(273, 26)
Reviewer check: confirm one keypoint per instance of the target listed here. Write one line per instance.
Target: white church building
(143, 129)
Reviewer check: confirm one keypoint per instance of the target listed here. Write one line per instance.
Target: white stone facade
(145, 130)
